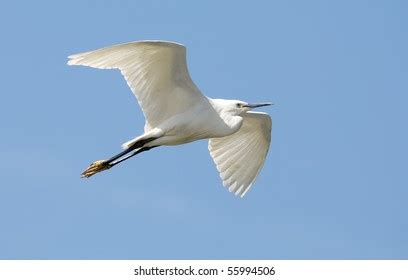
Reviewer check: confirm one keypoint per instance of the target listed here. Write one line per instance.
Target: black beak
(256, 105)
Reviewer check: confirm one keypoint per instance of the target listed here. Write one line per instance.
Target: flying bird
(176, 112)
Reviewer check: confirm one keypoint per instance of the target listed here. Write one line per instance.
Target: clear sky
(333, 184)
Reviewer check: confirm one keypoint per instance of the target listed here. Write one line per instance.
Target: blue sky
(333, 183)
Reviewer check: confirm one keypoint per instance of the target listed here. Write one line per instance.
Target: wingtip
(72, 60)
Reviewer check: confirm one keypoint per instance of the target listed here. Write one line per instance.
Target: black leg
(144, 149)
(136, 145)
(102, 165)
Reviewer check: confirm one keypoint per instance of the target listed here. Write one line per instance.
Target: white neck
(234, 122)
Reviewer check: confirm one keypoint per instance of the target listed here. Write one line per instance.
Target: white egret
(177, 113)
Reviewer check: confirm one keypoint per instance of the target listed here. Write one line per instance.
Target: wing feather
(156, 72)
(239, 157)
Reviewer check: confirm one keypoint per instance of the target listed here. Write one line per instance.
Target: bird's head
(238, 107)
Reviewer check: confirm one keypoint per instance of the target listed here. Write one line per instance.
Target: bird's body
(186, 127)
(177, 113)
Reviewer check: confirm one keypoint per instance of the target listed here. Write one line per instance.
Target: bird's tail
(131, 142)
(143, 139)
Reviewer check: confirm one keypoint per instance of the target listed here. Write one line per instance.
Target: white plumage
(176, 112)
(240, 156)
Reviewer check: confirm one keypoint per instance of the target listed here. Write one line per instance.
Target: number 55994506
(260, 270)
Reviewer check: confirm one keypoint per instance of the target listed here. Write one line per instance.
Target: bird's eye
(239, 105)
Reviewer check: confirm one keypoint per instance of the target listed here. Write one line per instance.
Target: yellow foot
(95, 167)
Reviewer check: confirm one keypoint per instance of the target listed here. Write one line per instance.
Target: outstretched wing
(156, 71)
(239, 157)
